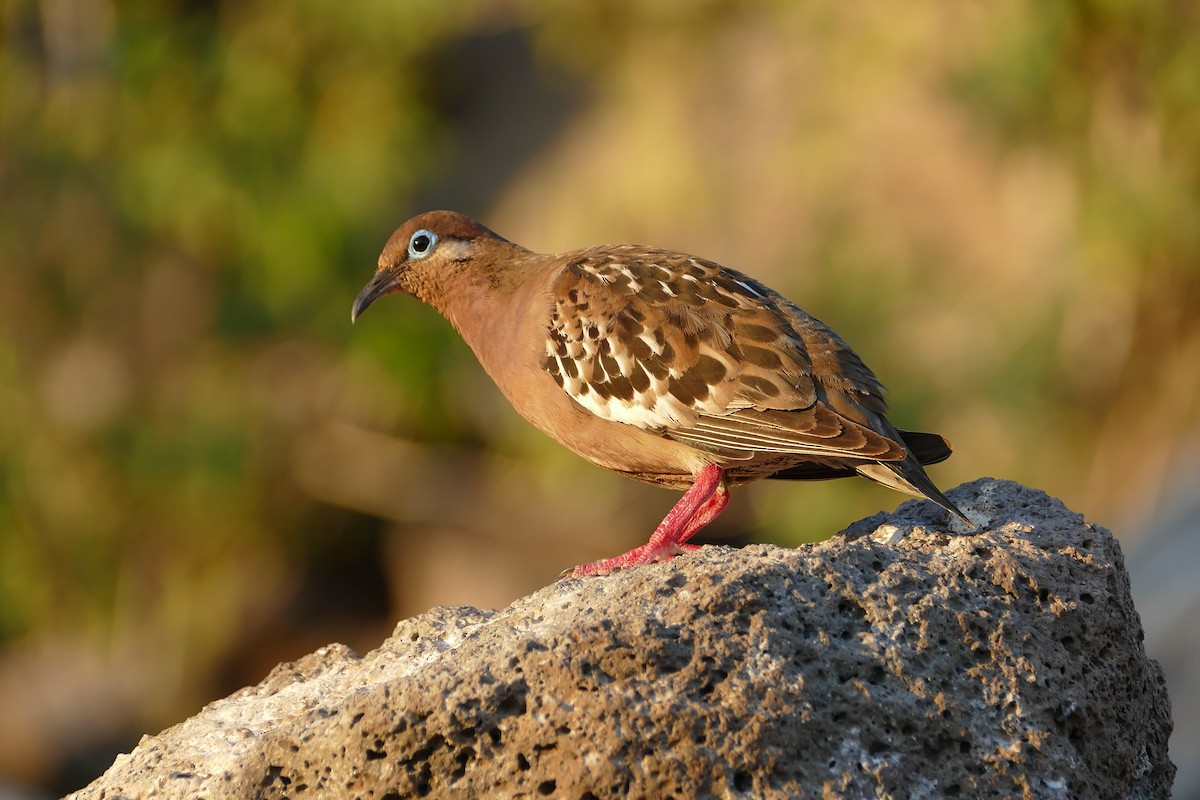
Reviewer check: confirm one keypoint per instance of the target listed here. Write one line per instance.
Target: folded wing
(706, 356)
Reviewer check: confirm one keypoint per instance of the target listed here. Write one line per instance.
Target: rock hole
(522, 762)
(850, 609)
(435, 742)
(512, 704)
(274, 773)
(424, 782)
(464, 757)
(742, 781)
(546, 788)
(876, 747)
(375, 755)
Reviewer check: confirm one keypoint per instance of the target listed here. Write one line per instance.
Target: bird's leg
(699, 506)
(711, 509)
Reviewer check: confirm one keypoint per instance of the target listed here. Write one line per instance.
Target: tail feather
(927, 448)
(906, 476)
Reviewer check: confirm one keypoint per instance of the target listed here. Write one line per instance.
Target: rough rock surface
(895, 660)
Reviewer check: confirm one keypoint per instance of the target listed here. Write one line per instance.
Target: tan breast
(512, 350)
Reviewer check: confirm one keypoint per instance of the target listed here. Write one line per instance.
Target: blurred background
(204, 470)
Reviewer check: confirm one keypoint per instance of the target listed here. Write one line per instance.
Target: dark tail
(927, 448)
(906, 476)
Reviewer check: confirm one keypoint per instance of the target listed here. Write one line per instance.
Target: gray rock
(895, 660)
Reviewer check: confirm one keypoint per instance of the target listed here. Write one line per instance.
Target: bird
(664, 367)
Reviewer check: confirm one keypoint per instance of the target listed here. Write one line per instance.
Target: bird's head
(424, 256)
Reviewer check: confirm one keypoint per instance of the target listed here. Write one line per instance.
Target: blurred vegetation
(996, 204)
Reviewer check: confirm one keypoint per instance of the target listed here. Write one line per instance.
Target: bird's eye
(421, 243)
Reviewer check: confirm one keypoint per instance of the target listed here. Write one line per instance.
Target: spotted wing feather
(703, 355)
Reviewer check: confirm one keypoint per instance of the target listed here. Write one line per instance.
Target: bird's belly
(627, 449)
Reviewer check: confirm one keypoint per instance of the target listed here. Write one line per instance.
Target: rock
(894, 660)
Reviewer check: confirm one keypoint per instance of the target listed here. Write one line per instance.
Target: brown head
(432, 254)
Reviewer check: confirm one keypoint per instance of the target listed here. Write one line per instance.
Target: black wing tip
(927, 448)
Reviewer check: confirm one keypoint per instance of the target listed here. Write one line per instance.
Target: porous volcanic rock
(895, 660)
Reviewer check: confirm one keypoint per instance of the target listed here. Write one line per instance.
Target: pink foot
(699, 506)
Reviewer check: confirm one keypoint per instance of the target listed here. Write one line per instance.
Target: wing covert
(696, 352)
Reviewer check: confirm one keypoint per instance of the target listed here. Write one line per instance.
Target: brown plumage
(664, 367)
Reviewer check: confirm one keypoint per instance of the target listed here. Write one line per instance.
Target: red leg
(699, 506)
(704, 515)
(711, 509)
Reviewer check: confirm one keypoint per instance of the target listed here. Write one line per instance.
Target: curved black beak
(383, 283)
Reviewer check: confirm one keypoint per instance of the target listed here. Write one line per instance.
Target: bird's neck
(493, 308)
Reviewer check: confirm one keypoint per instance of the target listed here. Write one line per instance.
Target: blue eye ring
(421, 243)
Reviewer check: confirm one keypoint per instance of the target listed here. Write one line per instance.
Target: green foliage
(1111, 85)
(185, 189)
